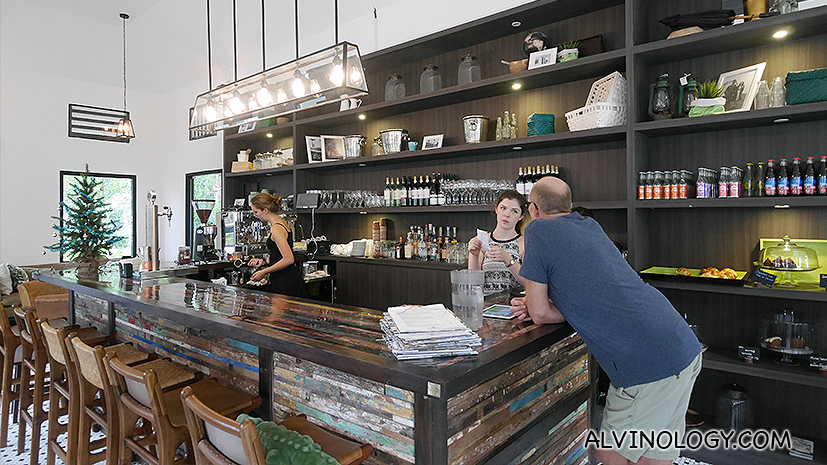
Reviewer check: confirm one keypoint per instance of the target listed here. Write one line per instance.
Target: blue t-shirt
(635, 334)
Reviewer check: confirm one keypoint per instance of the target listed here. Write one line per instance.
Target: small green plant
(709, 89)
(571, 44)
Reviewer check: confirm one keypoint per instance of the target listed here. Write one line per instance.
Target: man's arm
(539, 306)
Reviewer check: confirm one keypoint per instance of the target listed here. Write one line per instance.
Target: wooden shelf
(605, 205)
(277, 130)
(593, 136)
(268, 172)
(800, 24)
(736, 120)
(727, 361)
(757, 202)
(789, 294)
(410, 263)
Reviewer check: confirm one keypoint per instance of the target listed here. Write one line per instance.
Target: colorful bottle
(809, 181)
(769, 179)
(782, 179)
(796, 187)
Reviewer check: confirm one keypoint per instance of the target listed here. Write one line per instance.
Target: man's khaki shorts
(655, 409)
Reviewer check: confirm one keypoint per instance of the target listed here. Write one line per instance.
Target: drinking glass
(778, 94)
(762, 96)
(339, 196)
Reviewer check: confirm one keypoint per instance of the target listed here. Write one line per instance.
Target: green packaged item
(539, 124)
(807, 86)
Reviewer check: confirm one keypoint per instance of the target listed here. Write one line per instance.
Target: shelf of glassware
(606, 205)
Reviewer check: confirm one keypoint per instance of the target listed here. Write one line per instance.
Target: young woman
(284, 276)
(501, 263)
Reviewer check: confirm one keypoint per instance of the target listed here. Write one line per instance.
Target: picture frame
(333, 148)
(432, 142)
(739, 87)
(314, 149)
(249, 126)
(542, 58)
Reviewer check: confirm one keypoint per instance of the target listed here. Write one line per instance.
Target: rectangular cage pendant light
(327, 76)
(87, 122)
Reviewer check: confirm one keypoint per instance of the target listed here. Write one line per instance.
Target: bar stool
(93, 382)
(218, 440)
(141, 397)
(35, 358)
(11, 354)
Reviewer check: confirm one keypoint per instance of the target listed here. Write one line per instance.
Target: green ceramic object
(286, 447)
(703, 111)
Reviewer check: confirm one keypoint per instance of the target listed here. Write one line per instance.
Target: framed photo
(739, 87)
(542, 58)
(432, 142)
(247, 127)
(333, 148)
(314, 149)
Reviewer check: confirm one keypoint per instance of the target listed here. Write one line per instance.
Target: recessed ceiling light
(362, 116)
(270, 135)
(516, 147)
(516, 86)
(516, 24)
(780, 34)
(782, 120)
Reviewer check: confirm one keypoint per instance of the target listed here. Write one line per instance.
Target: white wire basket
(605, 107)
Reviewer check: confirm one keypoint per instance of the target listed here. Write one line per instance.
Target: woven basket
(807, 86)
(610, 89)
(596, 115)
(540, 123)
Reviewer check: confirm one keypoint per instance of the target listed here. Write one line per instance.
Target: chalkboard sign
(823, 280)
(764, 278)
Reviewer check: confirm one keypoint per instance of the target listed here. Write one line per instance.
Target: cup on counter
(412, 145)
(350, 104)
(467, 296)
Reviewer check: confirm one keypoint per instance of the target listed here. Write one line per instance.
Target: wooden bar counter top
(527, 389)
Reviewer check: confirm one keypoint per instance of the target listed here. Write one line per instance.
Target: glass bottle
(430, 80)
(782, 179)
(641, 185)
(676, 180)
(736, 186)
(513, 125)
(762, 96)
(667, 185)
(650, 185)
(770, 186)
(778, 94)
(394, 88)
(505, 131)
(822, 176)
(796, 188)
(657, 189)
(809, 181)
(723, 183)
(469, 70)
(759, 179)
(499, 134)
(749, 181)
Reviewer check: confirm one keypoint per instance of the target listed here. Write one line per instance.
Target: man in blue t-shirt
(575, 273)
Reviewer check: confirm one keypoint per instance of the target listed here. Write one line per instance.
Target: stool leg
(25, 400)
(128, 420)
(8, 373)
(85, 430)
(37, 412)
(52, 432)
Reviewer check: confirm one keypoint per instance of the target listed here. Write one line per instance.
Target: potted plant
(569, 51)
(709, 101)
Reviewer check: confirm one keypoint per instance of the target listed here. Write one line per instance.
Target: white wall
(34, 98)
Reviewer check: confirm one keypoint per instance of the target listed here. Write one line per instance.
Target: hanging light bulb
(355, 75)
(252, 103)
(236, 105)
(315, 87)
(210, 112)
(281, 96)
(263, 95)
(337, 74)
(298, 85)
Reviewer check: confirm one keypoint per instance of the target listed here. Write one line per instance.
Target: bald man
(575, 273)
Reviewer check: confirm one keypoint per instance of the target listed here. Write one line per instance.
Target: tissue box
(807, 86)
(239, 166)
(540, 123)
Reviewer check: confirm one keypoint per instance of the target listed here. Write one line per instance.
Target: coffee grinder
(204, 234)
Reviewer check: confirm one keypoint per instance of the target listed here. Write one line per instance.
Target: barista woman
(284, 275)
(501, 263)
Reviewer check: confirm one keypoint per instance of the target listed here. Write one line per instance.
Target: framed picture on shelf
(542, 58)
(739, 87)
(314, 149)
(333, 148)
(432, 142)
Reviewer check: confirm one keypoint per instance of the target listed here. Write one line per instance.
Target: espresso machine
(205, 234)
(244, 234)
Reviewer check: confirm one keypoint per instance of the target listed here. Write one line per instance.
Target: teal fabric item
(286, 447)
(807, 86)
(540, 123)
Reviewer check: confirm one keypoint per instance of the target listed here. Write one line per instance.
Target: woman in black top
(284, 276)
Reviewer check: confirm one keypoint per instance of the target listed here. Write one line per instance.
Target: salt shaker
(762, 96)
(778, 95)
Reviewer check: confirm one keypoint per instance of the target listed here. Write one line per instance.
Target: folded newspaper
(427, 331)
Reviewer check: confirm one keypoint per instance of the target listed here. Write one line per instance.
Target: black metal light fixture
(125, 128)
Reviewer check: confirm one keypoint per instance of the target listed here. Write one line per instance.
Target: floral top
(497, 276)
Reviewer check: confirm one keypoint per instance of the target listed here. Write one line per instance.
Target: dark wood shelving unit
(778, 202)
(788, 294)
(765, 368)
(268, 172)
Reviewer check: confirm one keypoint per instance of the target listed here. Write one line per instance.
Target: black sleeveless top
(287, 281)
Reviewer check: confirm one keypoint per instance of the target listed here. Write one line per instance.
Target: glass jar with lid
(787, 257)
(469, 70)
(394, 88)
(430, 80)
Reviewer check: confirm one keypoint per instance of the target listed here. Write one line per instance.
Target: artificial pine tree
(86, 235)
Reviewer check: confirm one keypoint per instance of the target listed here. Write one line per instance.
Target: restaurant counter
(524, 397)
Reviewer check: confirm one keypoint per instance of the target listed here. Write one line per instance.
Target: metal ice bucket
(394, 140)
(354, 146)
(475, 128)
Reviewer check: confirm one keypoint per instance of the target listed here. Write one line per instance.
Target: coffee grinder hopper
(203, 208)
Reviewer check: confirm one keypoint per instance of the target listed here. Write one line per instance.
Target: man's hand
(519, 309)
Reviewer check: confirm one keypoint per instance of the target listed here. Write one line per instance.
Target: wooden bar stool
(11, 354)
(141, 397)
(94, 385)
(218, 440)
(35, 358)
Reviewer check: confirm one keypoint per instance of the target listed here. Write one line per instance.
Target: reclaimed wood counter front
(521, 400)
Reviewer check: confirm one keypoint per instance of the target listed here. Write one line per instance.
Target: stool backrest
(32, 289)
(55, 340)
(8, 338)
(218, 439)
(90, 362)
(20, 318)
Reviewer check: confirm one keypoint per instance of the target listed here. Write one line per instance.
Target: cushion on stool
(223, 400)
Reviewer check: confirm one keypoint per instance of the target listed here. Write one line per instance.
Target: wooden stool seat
(344, 450)
(127, 354)
(90, 336)
(221, 399)
(168, 373)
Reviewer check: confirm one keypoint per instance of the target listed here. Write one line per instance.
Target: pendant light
(125, 129)
(327, 76)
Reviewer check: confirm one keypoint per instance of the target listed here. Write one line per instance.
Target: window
(119, 192)
(203, 185)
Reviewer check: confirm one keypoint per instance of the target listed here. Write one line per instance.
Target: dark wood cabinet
(601, 165)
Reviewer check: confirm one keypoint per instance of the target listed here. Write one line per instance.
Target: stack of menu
(427, 331)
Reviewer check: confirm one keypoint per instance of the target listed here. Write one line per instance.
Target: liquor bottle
(433, 199)
(410, 244)
(440, 193)
(403, 192)
(641, 185)
(426, 189)
(809, 180)
(443, 245)
(399, 252)
(387, 194)
(520, 184)
(796, 188)
(454, 235)
(538, 174)
(759, 179)
(770, 183)
(529, 183)
(749, 181)
(822, 176)
(782, 178)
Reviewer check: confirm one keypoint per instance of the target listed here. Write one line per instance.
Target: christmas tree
(86, 235)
